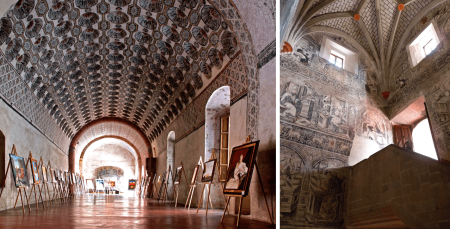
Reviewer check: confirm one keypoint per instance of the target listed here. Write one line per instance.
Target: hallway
(110, 211)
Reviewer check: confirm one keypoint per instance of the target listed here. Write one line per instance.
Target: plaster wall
(26, 138)
(267, 148)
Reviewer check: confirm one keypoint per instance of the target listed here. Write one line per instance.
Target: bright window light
(336, 59)
(430, 46)
(423, 141)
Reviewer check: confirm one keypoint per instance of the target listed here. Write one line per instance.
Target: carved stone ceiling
(379, 30)
(140, 60)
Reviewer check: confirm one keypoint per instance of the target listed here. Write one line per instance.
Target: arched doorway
(218, 106)
(170, 159)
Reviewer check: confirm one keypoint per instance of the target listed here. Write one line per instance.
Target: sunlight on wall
(423, 141)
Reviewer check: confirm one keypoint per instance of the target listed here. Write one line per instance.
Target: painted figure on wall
(289, 100)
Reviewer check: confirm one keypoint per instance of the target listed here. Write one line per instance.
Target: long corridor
(108, 211)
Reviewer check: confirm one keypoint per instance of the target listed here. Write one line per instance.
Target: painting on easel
(194, 175)
(34, 170)
(44, 173)
(208, 172)
(177, 178)
(131, 184)
(19, 171)
(240, 169)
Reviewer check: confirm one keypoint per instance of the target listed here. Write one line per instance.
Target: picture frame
(208, 171)
(56, 173)
(67, 177)
(19, 171)
(240, 169)
(194, 175)
(35, 171)
(44, 174)
(177, 177)
(52, 175)
(99, 184)
(131, 184)
(74, 179)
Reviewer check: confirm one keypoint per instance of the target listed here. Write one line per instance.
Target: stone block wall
(399, 187)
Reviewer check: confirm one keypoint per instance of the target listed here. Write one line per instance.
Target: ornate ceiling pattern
(379, 26)
(140, 60)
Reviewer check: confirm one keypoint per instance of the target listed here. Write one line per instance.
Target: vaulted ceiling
(378, 28)
(140, 60)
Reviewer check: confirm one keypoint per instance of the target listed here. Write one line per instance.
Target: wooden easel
(54, 184)
(193, 186)
(155, 186)
(34, 185)
(14, 152)
(240, 196)
(176, 187)
(41, 163)
(213, 156)
(165, 185)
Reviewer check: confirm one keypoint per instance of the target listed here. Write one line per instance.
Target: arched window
(423, 141)
(170, 159)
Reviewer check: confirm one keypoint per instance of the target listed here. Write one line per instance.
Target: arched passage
(170, 158)
(110, 158)
(108, 128)
(134, 151)
(217, 107)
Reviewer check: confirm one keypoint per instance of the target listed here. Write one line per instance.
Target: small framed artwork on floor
(240, 169)
(208, 172)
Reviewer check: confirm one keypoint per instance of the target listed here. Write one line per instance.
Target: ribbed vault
(380, 28)
(143, 61)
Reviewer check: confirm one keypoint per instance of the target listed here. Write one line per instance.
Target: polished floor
(116, 211)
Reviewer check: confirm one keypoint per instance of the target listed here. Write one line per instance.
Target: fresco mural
(323, 109)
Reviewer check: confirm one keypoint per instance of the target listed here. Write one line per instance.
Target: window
(224, 123)
(424, 44)
(339, 55)
(336, 60)
(430, 46)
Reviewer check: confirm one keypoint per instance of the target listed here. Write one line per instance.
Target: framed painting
(74, 179)
(56, 174)
(131, 184)
(208, 172)
(89, 184)
(52, 175)
(19, 170)
(177, 177)
(99, 184)
(61, 176)
(67, 176)
(194, 175)
(240, 169)
(44, 174)
(35, 171)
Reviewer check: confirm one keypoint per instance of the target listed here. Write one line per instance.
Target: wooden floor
(116, 211)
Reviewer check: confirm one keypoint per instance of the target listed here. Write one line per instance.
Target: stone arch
(138, 155)
(108, 127)
(170, 158)
(218, 105)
